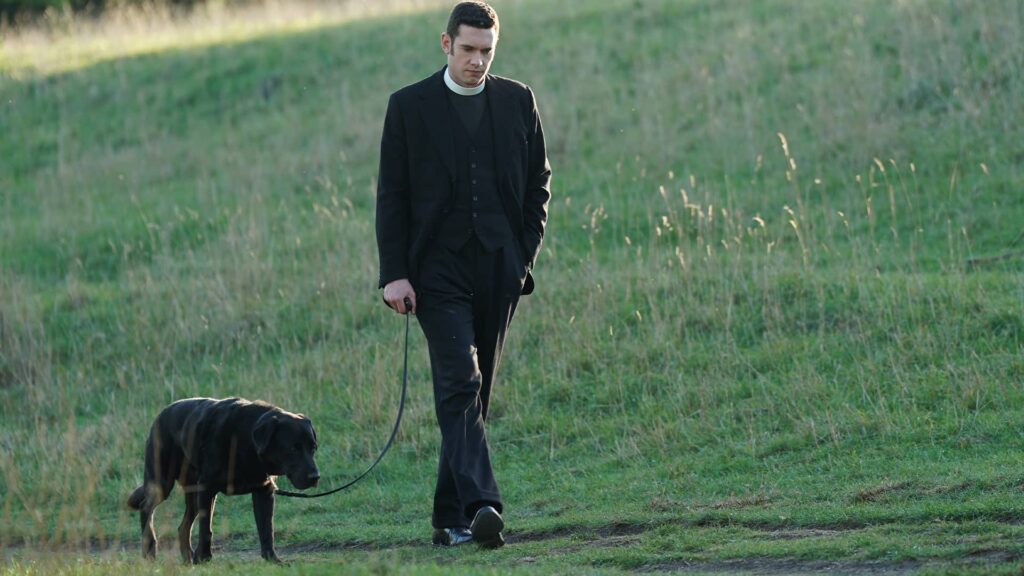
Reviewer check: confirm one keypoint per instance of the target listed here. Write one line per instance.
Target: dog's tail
(137, 498)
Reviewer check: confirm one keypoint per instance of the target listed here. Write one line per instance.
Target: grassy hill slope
(779, 322)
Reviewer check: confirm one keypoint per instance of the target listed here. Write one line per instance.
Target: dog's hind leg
(192, 491)
(206, 500)
(185, 528)
(148, 534)
(139, 501)
(148, 496)
(162, 465)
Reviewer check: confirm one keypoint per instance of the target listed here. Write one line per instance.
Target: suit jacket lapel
(500, 107)
(437, 119)
(503, 112)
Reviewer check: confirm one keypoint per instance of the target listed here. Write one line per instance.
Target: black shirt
(469, 109)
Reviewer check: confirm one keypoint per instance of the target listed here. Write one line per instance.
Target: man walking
(461, 207)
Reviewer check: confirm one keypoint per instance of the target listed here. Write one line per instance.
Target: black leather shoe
(486, 528)
(451, 536)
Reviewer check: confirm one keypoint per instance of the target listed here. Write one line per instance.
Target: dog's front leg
(207, 499)
(263, 509)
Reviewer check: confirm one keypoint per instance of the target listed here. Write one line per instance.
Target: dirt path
(243, 547)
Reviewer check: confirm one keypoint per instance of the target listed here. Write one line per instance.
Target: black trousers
(465, 301)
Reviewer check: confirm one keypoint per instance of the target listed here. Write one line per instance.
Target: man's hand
(395, 293)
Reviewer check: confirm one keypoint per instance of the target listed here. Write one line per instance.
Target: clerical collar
(462, 90)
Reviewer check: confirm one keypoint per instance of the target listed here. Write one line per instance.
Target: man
(461, 208)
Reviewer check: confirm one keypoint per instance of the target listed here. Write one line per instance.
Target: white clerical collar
(462, 90)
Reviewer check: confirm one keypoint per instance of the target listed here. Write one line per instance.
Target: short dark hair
(475, 14)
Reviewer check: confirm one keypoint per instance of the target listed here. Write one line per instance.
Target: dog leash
(394, 431)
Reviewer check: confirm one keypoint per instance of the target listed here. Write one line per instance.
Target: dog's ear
(313, 430)
(263, 432)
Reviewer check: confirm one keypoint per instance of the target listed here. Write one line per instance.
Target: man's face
(469, 54)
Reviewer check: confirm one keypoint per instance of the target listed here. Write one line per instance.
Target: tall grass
(62, 41)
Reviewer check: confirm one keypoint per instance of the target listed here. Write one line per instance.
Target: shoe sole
(486, 529)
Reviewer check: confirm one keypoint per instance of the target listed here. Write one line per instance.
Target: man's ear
(446, 43)
(263, 432)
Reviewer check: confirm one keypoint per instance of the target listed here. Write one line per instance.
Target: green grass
(779, 323)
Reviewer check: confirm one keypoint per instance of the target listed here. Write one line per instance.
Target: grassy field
(779, 324)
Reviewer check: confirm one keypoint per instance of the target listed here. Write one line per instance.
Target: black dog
(232, 446)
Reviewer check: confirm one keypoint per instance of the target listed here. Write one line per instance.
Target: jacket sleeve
(393, 198)
(538, 185)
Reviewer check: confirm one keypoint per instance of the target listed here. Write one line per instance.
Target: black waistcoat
(476, 206)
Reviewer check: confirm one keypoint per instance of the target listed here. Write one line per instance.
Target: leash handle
(394, 430)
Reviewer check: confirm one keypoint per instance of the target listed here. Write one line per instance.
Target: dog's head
(285, 443)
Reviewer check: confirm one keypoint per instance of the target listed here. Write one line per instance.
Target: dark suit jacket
(416, 184)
